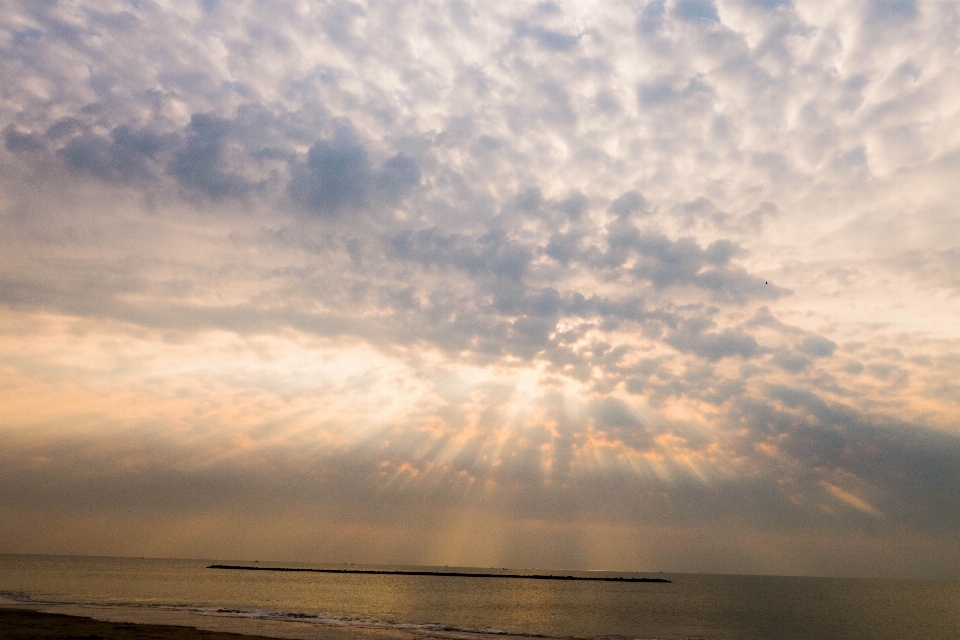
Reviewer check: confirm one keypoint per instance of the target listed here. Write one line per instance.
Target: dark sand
(20, 624)
(27, 624)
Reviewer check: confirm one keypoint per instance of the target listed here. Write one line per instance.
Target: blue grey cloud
(338, 176)
(696, 10)
(127, 155)
(200, 163)
(20, 141)
(693, 336)
(546, 38)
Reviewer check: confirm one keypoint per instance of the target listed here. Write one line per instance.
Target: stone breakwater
(450, 574)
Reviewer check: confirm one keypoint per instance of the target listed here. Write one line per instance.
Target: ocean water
(307, 605)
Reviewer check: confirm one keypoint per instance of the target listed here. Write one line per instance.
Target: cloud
(338, 177)
(491, 253)
(898, 10)
(694, 10)
(665, 262)
(128, 155)
(421, 264)
(552, 40)
(335, 176)
(200, 163)
(788, 361)
(628, 203)
(817, 346)
(20, 142)
(690, 337)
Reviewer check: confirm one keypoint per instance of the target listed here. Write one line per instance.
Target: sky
(645, 285)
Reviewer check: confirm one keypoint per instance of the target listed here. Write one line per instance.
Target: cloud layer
(666, 285)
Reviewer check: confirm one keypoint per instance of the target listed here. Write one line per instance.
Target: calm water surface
(692, 606)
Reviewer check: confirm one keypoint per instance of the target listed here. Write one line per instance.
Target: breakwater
(445, 574)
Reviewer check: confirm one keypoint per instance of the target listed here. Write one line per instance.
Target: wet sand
(27, 624)
(22, 624)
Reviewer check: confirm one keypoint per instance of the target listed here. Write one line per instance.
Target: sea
(311, 605)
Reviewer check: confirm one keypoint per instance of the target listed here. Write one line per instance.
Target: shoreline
(25, 624)
(23, 621)
(441, 574)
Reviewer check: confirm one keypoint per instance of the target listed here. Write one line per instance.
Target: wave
(278, 616)
(16, 596)
(343, 621)
(425, 629)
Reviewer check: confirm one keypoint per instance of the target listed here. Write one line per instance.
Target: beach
(23, 624)
(29, 624)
